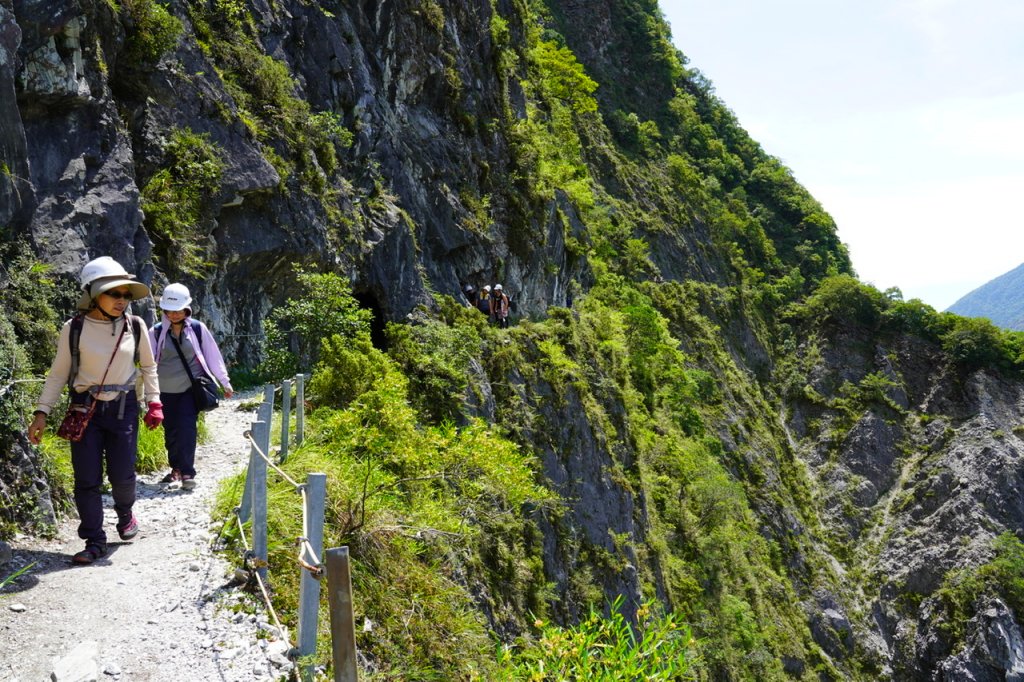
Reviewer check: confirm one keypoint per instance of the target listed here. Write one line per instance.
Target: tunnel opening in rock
(368, 301)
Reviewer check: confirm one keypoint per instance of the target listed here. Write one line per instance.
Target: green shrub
(562, 77)
(974, 342)
(350, 368)
(31, 297)
(151, 32)
(175, 201)
(609, 647)
(436, 358)
(843, 300)
(295, 331)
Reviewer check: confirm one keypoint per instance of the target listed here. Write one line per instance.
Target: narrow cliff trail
(161, 607)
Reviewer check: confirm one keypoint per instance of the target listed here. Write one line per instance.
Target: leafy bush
(350, 369)
(152, 31)
(175, 200)
(295, 331)
(562, 77)
(974, 342)
(436, 358)
(30, 297)
(13, 401)
(609, 647)
(842, 300)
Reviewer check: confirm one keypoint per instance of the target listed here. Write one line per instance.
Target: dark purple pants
(114, 441)
(181, 431)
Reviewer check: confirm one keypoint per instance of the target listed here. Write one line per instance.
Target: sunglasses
(126, 295)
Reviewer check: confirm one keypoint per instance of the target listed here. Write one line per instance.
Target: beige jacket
(95, 347)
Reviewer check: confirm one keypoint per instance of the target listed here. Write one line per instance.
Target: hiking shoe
(188, 482)
(129, 529)
(172, 477)
(91, 553)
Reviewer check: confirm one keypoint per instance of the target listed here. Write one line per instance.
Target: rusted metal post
(343, 631)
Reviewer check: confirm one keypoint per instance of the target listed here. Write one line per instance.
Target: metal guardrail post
(309, 586)
(264, 413)
(258, 481)
(300, 408)
(343, 634)
(286, 417)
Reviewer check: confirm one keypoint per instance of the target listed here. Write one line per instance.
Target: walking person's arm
(214, 360)
(55, 380)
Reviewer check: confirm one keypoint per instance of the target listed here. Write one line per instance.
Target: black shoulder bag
(204, 390)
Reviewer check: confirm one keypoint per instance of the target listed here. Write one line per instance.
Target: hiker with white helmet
(483, 302)
(184, 348)
(499, 306)
(97, 353)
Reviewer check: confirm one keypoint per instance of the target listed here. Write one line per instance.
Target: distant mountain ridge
(1000, 300)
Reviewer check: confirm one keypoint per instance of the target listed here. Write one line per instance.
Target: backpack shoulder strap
(76, 336)
(197, 329)
(137, 333)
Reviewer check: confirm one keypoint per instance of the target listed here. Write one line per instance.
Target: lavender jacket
(206, 350)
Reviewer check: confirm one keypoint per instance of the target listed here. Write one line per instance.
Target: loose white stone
(79, 665)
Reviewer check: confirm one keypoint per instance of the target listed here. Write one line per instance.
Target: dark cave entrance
(368, 301)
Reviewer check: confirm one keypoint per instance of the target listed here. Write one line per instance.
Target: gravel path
(161, 607)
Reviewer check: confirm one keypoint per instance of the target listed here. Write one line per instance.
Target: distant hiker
(499, 307)
(97, 352)
(184, 348)
(470, 292)
(483, 301)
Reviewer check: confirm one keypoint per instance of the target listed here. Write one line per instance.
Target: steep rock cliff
(875, 469)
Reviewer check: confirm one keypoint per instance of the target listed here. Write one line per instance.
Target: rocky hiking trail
(161, 607)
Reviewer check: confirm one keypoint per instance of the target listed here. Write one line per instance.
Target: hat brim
(138, 289)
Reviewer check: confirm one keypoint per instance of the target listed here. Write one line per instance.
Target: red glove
(154, 416)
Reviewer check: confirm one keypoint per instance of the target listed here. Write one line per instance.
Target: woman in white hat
(185, 348)
(97, 354)
(499, 307)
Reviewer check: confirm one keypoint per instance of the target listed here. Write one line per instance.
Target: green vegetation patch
(176, 202)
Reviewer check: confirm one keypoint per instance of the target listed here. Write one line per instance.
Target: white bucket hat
(175, 297)
(103, 274)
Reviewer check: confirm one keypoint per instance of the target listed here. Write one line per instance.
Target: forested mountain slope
(822, 480)
(1001, 300)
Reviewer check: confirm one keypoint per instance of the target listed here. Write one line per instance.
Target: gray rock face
(428, 199)
(15, 189)
(917, 501)
(995, 650)
(21, 478)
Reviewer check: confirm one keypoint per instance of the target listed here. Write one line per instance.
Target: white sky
(904, 118)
